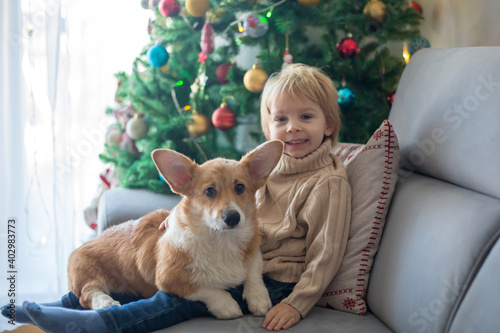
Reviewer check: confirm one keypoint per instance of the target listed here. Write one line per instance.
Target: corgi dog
(211, 242)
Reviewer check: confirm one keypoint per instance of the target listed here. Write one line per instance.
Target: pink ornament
(207, 39)
(129, 145)
(202, 57)
(124, 114)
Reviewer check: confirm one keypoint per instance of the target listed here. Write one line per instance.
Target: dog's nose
(231, 218)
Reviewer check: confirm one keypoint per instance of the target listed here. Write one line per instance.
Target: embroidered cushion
(372, 170)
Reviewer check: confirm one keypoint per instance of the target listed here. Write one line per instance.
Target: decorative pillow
(346, 151)
(372, 171)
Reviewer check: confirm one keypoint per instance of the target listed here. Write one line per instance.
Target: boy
(304, 207)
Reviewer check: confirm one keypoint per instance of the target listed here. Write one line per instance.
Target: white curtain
(57, 62)
(36, 115)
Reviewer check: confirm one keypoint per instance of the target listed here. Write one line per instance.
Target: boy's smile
(299, 124)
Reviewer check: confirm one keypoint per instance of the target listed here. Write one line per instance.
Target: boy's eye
(210, 192)
(280, 119)
(239, 188)
(307, 116)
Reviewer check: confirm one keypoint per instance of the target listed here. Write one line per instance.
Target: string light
(406, 54)
(180, 83)
(269, 11)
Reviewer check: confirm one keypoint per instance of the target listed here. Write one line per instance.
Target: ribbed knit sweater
(304, 216)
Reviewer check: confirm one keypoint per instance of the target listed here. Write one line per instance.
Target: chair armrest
(118, 205)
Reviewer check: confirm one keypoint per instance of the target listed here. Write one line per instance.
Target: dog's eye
(210, 192)
(239, 188)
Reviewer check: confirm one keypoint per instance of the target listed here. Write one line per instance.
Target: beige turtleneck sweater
(304, 215)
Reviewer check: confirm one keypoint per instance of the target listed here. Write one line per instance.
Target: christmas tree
(187, 93)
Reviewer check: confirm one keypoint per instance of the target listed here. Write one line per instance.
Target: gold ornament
(197, 8)
(199, 124)
(255, 79)
(216, 14)
(376, 9)
(309, 2)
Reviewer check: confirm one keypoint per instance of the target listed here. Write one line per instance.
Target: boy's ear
(329, 127)
(176, 169)
(261, 161)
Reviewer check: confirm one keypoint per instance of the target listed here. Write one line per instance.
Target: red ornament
(417, 7)
(224, 118)
(170, 8)
(222, 71)
(347, 48)
(390, 98)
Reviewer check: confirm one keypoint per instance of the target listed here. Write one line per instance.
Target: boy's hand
(281, 316)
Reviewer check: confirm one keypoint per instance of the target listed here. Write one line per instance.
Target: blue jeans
(165, 310)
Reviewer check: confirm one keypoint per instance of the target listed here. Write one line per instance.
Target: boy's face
(299, 124)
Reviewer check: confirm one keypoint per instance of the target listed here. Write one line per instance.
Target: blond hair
(306, 83)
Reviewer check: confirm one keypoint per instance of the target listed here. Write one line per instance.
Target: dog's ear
(176, 169)
(261, 161)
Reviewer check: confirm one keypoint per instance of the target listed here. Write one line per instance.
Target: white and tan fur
(211, 243)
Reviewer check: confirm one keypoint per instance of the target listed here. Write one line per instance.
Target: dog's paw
(103, 301)
(226, 310)
(258, 301)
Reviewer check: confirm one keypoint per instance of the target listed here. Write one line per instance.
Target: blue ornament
(158, 55)
(346, 97)
(417, 44)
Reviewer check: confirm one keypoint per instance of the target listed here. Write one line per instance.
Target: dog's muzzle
(231, 218)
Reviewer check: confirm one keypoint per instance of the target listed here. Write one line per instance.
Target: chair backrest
(444, 219)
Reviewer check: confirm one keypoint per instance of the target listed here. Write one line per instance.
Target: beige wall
(460, 23)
